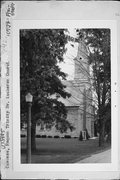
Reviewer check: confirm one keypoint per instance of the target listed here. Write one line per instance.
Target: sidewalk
(103, 157)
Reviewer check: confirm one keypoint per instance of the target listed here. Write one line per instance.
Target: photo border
(46, 24)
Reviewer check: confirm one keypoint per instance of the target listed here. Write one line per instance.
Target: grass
(50, 150)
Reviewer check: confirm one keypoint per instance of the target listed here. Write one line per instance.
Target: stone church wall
(74, 118)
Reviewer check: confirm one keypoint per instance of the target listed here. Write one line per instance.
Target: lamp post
(29, 99)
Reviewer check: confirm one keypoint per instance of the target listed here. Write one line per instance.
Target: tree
(40, 52)
(98, 43)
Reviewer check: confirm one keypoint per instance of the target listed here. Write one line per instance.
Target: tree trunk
(33, 134)
(101, 134)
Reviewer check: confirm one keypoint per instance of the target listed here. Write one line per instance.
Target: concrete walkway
(103, 157)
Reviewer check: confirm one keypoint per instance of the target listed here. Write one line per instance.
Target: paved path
(103, 157)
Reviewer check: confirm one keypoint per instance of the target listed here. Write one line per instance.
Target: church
(79, 106)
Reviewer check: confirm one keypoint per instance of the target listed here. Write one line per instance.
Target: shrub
(87, 135)
(80, 137)
(23, 135)
(56, 136)
(75, 137)
(49, 136)
(67, 136)
(43, 136)
(38, 136)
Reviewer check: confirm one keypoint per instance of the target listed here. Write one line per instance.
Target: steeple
(81, 63)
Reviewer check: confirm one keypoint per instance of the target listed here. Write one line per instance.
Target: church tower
(81, 73)
(82, 83)
(82, 78)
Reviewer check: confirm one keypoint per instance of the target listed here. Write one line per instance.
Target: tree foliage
(40, 52)
(98, 43)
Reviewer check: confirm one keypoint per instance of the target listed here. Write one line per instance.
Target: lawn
(51, 150)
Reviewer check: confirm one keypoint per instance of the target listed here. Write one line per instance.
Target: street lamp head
(29, 97)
